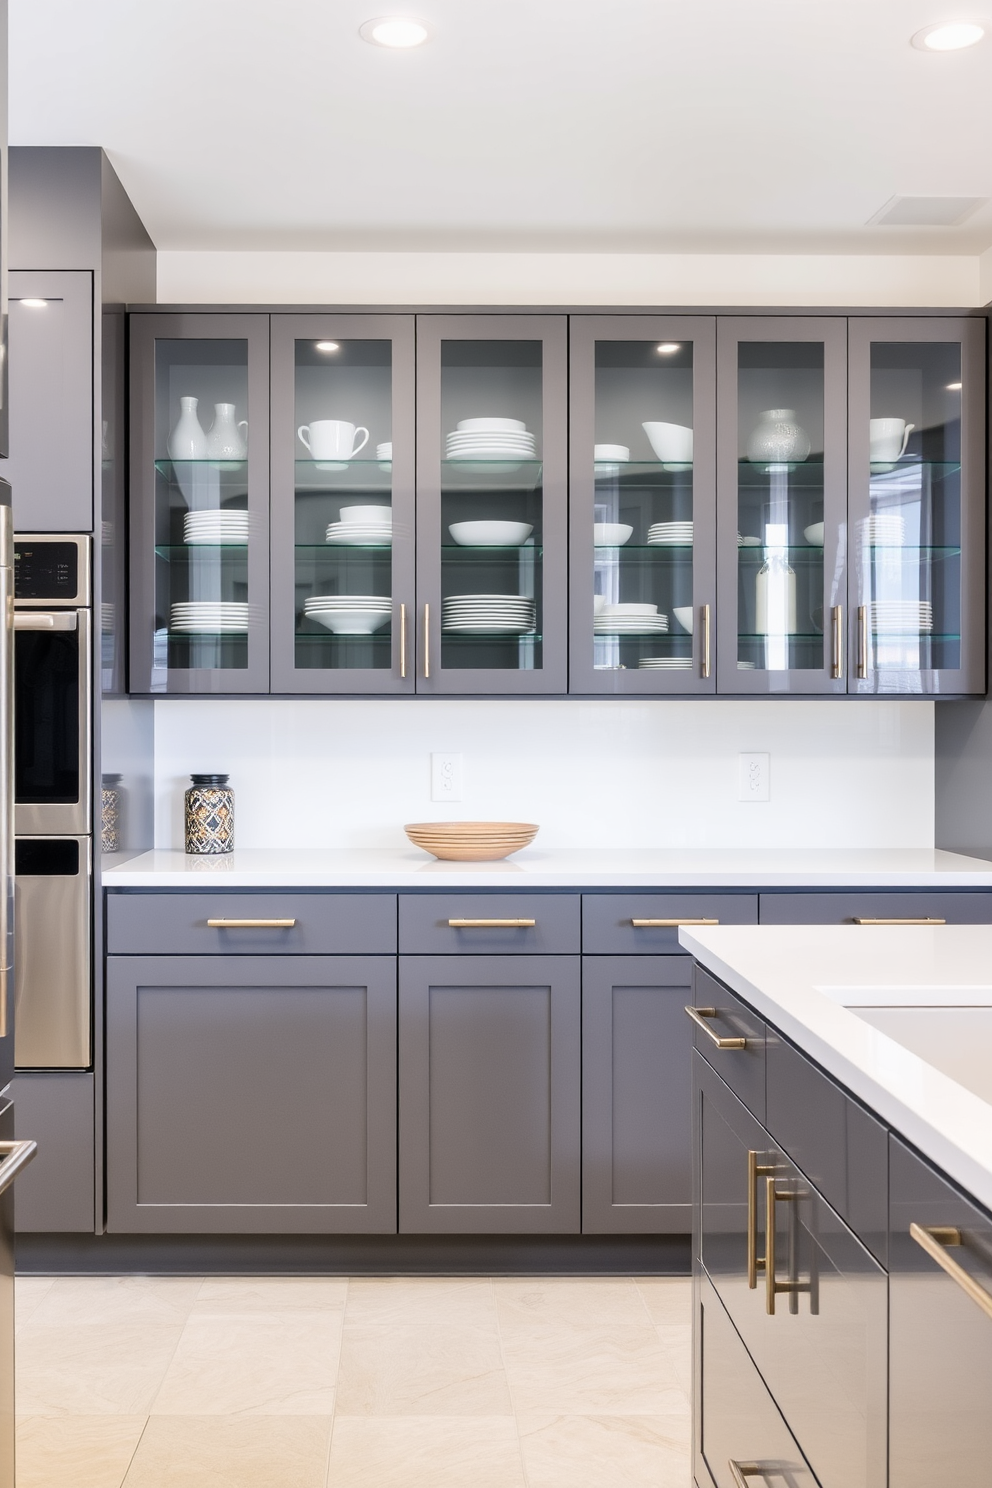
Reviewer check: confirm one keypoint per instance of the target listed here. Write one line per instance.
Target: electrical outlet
(753, 779)
(446, 777)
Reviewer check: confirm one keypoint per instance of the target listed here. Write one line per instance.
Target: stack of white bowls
(609, 457)
(900, 616)
(362, 526)
(883, 529)
(494, 614)
(629, 619)
(209, 616)
(491, 439)
(666, 663)
(670, 535)
(349, 614)
(206, 528)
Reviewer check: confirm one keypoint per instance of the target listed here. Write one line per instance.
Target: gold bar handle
(251, 924)
(935, 1239)
(741, 1471)
(704, 667)
(755, 1263)
(862, 641)
(864, 920)
(492, 924)
(668, 924)
(699, 1016)
(403, 642)
(837, 619)
(16, 1156)
(427, 642)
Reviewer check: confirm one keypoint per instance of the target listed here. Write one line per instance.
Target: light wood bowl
(471, 842)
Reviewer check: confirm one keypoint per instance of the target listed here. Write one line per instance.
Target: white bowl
(671, 442)
(379, 516)
(814, 535)
(611, 534)
(349, 622)
(491, 426)
(628, 609)
(490, 534)
(611, 452)
(684, 615)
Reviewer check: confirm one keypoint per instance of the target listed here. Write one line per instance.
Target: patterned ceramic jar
(209, 815)
(110, 814)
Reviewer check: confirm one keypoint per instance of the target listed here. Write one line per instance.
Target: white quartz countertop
(669, 868)
(807, 981)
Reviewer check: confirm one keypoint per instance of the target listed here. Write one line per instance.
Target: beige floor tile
(445, 1370)
(92, 1369)
(576, 1303)
(425, 1452)
(221, 1452)
(590, 1371)
(84, 1451)
(667, 1298)
(29, 1293)
(601, 1451)
(263, 1364)
(222, 1294)
(110, 1299)
(676, 1340)
(410, 1301)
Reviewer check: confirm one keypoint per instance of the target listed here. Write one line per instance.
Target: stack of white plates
(900, 615)
(666, 663)
(746, 666)
(365, 526)
(221, 526)
(883, 529)
(209, 616)
(490, 439)
(349, 614)
(670, 534)
(629, 619)
(384, 454)
(503, 614)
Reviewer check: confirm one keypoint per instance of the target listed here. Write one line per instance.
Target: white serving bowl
(611, 452)
(814, 535)
(490, 534)
(684, 615)
(629, 609)
(611, 534)
(379, 516)
(349, 622)
(491, 426)
(672, 443)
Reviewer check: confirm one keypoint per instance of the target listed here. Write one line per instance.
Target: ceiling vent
(926, 211)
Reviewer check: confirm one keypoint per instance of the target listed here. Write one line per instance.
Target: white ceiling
(635, 125)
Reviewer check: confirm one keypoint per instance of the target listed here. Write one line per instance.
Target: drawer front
(726, 1017)
(329, 924)
(846, 907)
(428, 924)
(610, 928)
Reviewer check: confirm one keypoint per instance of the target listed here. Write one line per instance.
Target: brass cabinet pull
(402, 642)
(427, 642)
(704, 669)
(699, 1016)
(862, 641)
(741, 1471)
(935, 1239)
(864, 920)
(16, 1156)
(668, 924)
(492, 924)
(251, 924)
(755, 1170)
(837, 618)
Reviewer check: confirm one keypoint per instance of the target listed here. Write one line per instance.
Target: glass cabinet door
(491, 504)
(342, 503)
(642, 480)
(917, 484)
(199, 501)
(782, 505)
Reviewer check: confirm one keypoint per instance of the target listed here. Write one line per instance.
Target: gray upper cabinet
(51, 401)
(642, 478)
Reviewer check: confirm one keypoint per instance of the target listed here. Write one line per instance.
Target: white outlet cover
(753, 777)
(446, 777)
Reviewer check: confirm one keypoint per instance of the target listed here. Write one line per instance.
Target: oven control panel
(51, 570)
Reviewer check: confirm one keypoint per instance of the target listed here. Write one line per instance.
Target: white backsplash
(618, 773)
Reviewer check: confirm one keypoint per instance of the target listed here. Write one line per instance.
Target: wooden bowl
(471, 842)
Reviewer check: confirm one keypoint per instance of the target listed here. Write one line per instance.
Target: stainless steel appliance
(53, 801)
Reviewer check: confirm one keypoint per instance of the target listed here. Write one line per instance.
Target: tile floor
(372, 1383)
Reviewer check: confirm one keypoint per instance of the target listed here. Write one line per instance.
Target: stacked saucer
(349, 614)
(384, 454)
(666, 663)
(905, 616)
(629, 619)
(491, 439)
(209, 616)
(883, 529)
(493, 614)
(362, 526)
(206, 528)
(670, 535)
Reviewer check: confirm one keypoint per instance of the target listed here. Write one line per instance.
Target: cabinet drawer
(742, 1068)
(974, 908)
(609, 925)
(427, 925)
(337, 924)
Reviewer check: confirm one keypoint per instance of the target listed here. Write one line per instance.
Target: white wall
(618, 773)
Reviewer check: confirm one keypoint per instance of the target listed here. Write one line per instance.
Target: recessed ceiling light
(953, 387)
(949, 36)
(667, 348)
(328, 346)
(35, 304)
(395, 31)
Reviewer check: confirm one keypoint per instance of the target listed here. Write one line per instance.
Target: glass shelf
(166, 550)
(461, 637)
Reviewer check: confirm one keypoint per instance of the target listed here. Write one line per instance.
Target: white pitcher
(225, 440)
(187, 440)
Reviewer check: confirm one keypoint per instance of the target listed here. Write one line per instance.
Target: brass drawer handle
(492, 924)
(668, 924)
(251, 924)
(699, 1016)
(837, 633)
(935, 1239)
(741, 1471)
(402, 642)
(863, 920)
(704, 665)
(755, 1170)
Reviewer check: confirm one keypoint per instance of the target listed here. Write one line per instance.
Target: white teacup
(332, 439)
(672, 443)
(887, 439)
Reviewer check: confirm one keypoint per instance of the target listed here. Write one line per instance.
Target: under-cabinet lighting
(395, 31)
(35, 304)
(668, 348)
(328, 346)
(950, 36)
(953, 387)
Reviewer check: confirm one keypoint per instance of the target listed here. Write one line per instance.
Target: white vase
(187, 440)
(775, 598)
(778, 439)
(225, 440)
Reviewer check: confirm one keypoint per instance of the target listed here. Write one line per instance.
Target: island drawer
(726, 1017)
(319, 923)
(961, 907)
(620, 924)
(505, 924)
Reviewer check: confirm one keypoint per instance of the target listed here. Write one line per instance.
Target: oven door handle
(46, 620)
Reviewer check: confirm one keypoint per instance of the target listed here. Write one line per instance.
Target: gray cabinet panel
(636, 1139)
(940, 1355)
(425, 929)
(329, 924)
(743, 1069)
(489, 1094)
(51, 401)
(55, 1192)
(957, 908)
(251, 1094)
(608, 928)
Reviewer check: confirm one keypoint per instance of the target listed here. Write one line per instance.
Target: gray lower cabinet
(489, 1094)
(55, 1193)
(890, 906)
(636, 1138)
(251, 1094)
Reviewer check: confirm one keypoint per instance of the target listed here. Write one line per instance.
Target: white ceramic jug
(225, 441)
(778, 439)
(775, 598)
(187, 440)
